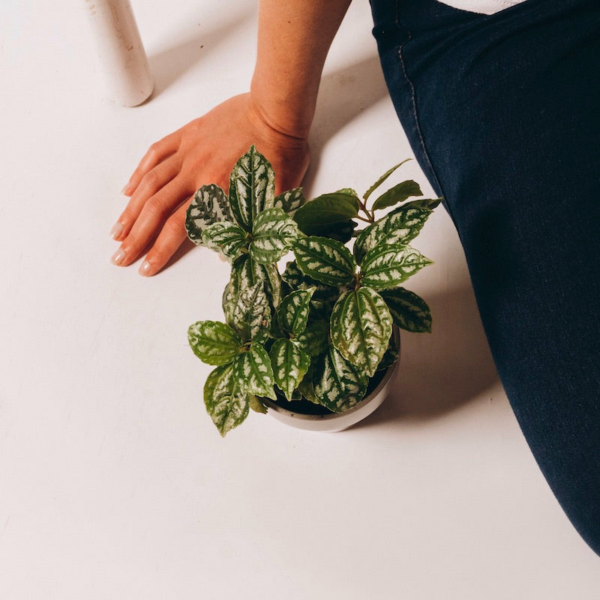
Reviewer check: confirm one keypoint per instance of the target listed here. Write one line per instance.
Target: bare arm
(293, 40)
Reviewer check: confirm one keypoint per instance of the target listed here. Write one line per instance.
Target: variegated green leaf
(398, 227)
(273, 235)
(361, 326)
(326, 210)
(325, 260)
(226, 404)
(290, 201)
(256, 405)
(290, 364)
(249, 312)
(399, 193)
(382, 179)
(251, 188)
(293, 312)
(384, 266)
(254, 372)
(390, 357)
(297, 280)
(338, 384)
(227, 238)
(208, 206)
(315, 338)
(213, 342)
(408, 310)
(246, 272)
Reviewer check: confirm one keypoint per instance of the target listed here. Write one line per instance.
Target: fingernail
(116, 231)
(145, 269)
(118, 257)
(124, 188)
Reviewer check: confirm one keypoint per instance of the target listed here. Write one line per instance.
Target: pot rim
(364, 402)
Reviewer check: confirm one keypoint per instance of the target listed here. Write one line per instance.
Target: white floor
(114, 482)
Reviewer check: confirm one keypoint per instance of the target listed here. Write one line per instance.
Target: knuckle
(173, 227)
(150, 179)
(155, 208)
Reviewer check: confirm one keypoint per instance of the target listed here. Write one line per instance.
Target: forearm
(294, 37)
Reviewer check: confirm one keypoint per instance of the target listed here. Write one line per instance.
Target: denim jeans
(503, 115)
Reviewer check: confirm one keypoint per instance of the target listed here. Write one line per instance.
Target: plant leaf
(273, 235)
(398, 227)
(361, 326)
(208, 206)
(297, 280)
(342, 231)
(399, 193)
(251, 187)
(224, 401)
(249, 312)
(246, 272)
(382, 179)
(254, 373)
(213, 342)
(390, 357)
(290, 201)
(256, 405)
(326, 210)
(426, 203)
(292, 315)
(290, 364)
(226, 238)
(386, 266)
(408, 310)
(325, 260)
(338, 384)
(314, 340)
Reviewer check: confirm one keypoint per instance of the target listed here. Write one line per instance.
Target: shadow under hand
(174, 62)
(444, 370)
(343, 95)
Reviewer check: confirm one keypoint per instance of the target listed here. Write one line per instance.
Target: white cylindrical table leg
(120, 53)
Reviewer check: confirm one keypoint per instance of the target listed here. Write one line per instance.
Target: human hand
(202, 152)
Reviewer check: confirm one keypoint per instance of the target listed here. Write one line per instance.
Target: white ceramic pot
(339, 421)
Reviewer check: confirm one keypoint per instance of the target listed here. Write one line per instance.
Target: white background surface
(114, 483)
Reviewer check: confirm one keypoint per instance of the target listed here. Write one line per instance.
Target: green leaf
(314, 340)
(399, 193)
(251, 188)
(342, 231)
(290, 201)
(325, 260)
(426, 203)
(297, 280)
(213, 342)
(382, 179)
(249, 312)
(408, 310)
(390, 357)
(224, 401)
(293, 312)
(398, 227)
(361, 326)
(273, 235)
(227, 238)
(254, 373)
(246, 272)
(386, 266)
(338, 384)
(208, 206)
(306, 387)
(326, 210)
(256, 405)
(290, 364)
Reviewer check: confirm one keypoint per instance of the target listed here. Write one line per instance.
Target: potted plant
(318, 337)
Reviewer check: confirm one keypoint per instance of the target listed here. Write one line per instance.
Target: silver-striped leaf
(398, 227)
(273, 235)
(408, 310)
(226, 404)
(251, 187)
(209, 205)
(290, 201)
(249, 312)
(246, 272)
(383, 178)
(399, 193)
(361, 326)
(290, 364)
(213, 342)
(314, 340)
(292, 315)
(325, 260)
(297, 280)
(386, 266)
(326, 210)
(390, 357)
(338, 384)
(254, 372)
(226, 238)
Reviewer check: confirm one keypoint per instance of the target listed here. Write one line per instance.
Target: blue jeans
(503, 115)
